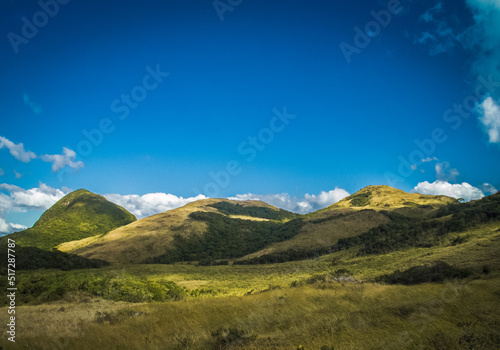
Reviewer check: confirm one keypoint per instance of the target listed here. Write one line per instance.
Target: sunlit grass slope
(153, 236)
(323, 315)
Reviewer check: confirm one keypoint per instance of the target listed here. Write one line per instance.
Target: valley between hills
(380, 269)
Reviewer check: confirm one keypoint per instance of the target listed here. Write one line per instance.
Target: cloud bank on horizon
(16, 199)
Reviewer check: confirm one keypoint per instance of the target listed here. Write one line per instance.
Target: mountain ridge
(184, 228)
(154, 235)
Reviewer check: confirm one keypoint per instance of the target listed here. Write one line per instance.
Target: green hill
(205, 229)
(388, 198)
(357, 214)
(420, 278)
(214, 229)
(78, 215)
(397, 232)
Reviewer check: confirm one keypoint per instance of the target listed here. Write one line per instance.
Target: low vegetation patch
(257, 212)
(31, 258)
(438, 272)
(37, 288)
(287, 255)
(360, 200)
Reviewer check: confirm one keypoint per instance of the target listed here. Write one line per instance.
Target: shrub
(360, 200)
(254, 211)
(439, 272)
(40, 288)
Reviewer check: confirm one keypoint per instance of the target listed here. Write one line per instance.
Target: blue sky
(156, 103)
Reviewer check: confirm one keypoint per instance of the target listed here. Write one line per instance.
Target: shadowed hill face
(78, 215)
(153, 236)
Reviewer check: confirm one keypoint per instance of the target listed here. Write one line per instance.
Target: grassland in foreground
(256, 307)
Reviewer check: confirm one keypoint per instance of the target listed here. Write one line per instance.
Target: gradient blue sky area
(352, 121)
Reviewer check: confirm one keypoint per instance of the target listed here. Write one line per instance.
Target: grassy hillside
(320, 316)
(331, 302)
(359, 213)
(386, 197)
(250, 228)
(392, 287)
(78, 215)
(184, 233)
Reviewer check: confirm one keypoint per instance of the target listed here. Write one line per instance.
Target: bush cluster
(439, 272)
(37, 288)
(31, 258)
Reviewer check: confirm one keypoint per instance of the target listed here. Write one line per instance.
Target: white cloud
(464, 190)
(18, 175)
(299, 205)
(60, 161)
(429, 159)
(2, 172)
(444, 172)
(16, 199)
(17, 150)
(7, 227)
(490, 118)
(484, 37)
(488, 188)
(20, 200)
(150, 203)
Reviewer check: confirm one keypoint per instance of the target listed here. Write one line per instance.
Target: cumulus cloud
(488, 188)
(21, 200)
(151, 203)
(444, 172)
(490, 119)
(59, 161)
(299, 205)
(464, 190)
(17, 150)
(16, 199)
(485, 38)
(7, 227)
